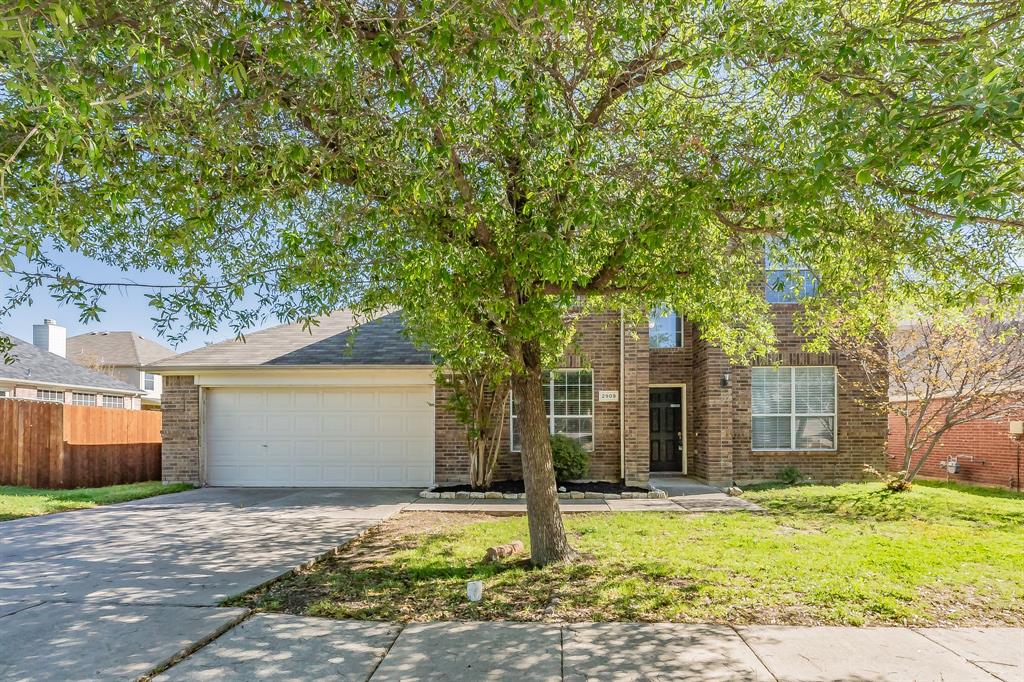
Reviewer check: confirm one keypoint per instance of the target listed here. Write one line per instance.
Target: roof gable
(115, 349)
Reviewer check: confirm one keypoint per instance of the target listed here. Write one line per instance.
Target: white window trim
(75, 394)
(58, 399)
(793, 413)
(551, 402)
(103, 402)
(148, 376)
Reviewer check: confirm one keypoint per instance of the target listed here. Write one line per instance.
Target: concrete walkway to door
(111, 592)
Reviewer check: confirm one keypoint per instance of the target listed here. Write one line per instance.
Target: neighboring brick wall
(983, 447)
(181, 445)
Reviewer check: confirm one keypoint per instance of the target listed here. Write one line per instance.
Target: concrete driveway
(114, 591)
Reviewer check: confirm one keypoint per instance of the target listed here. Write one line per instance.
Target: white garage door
(320, 436)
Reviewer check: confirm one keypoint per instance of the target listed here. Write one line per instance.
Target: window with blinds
(569, 404)
(793, 408)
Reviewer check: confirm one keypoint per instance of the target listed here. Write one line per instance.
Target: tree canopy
(501, 159)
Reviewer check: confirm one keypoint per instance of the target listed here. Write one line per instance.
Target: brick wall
(860, 428)
(596, 348)
(984, 449)
(181, 444)
(713, 415)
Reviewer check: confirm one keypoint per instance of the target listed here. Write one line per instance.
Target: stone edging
(653, 494)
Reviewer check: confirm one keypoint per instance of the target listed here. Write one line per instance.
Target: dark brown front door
(666, 450)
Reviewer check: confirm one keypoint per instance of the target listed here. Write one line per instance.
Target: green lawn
(851, 554)
(17, 501)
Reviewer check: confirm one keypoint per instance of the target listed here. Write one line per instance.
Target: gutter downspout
(622, 394)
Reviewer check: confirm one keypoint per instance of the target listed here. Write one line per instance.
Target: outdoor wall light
(726, 380)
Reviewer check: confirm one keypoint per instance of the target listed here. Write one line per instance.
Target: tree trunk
(548, 543)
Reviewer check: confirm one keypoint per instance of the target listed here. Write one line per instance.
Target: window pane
(815, 390)
(815, 433)
(771, 433)
(770, 390)
(665, 329)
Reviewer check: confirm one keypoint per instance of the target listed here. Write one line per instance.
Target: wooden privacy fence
(52, 445)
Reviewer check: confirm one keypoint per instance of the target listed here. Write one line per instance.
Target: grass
(852, 554)
(18, 502)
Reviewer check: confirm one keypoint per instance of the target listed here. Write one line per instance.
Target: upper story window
(50, 395)
(113, 401)
(149, 381)
(569, 404)
(787, 280)
(83, 398)
(666, 328)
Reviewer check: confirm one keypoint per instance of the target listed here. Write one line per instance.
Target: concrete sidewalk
(286, 647)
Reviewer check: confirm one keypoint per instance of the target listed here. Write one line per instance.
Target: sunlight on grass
(850, 554)
(18, 501)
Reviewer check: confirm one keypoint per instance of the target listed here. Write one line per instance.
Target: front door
(666, 429)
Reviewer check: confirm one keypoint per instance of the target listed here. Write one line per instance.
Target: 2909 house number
(608, 396)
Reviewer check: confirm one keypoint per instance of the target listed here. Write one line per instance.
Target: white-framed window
(149, 381)
(83, 398)
(113, 401)
(49, 395)
(666, 327)
(787, 280)
(793, 408)
(3, 392)
(568, 403)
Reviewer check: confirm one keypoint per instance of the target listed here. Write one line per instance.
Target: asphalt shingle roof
(39, 366)
(337, 340)
(115, 349)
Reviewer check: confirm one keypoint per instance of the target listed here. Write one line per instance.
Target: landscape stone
(576, 495)
(492, 495)
(448, 495)
(475, 495)
(591, 495)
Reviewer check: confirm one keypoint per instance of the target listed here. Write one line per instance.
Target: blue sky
(126, 308)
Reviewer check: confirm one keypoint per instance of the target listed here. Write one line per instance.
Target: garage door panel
(320, 437)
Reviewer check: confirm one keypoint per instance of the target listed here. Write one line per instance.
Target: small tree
(479, 401)
(942, 370)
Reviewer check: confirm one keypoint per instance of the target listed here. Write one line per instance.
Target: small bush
(897, 482)
(570, 458)
(791, 476)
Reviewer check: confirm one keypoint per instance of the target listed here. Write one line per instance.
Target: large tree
(499, 167)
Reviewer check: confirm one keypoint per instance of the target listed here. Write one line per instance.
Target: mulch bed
(518, 487)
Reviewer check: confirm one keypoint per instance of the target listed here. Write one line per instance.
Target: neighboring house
(985, 451)
(358, 406)
(122, 355)
(40, 372)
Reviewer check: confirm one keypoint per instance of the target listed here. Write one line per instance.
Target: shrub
(791, 476)
(569, 456)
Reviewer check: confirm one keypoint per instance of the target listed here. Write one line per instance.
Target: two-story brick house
(358, 405)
